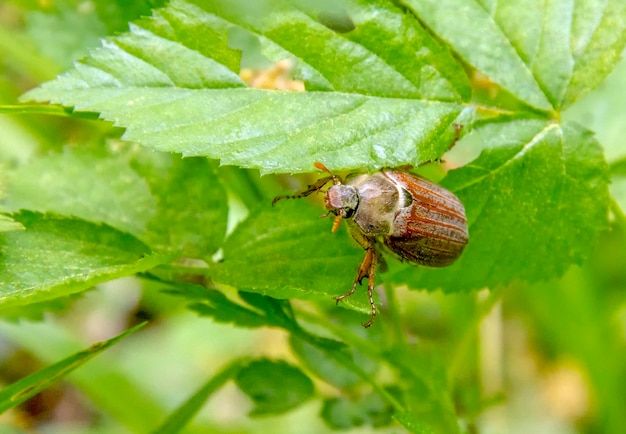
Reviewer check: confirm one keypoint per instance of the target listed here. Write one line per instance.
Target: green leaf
(603, 112)
(411, 423)
(75, 30)
(548, 54)
(534, 205)
(274, 386)
(29, 386)
(382, 41)
(192, 208)
(57, 256)
(212, 303)
(116, 14)
(8, 224)
(183, 414)
(289, 252)
(369, 410)
(329, 369)
(80, 184)
(169, 203)
(172, 83)
(599, 31)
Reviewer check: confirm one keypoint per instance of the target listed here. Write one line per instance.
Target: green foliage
(388, 84)
(36, 262)
(274, 387)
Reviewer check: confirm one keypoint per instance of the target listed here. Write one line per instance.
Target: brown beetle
(414, 218)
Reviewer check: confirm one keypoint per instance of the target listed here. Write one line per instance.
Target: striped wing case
(430, 228)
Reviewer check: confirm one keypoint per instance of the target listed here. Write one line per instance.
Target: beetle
(416, 219)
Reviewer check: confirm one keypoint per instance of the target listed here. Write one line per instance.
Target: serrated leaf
(57, 256)
(399, 110)
(288, 252)
(599, 32)
(29, 386)
(172, 204)
(381, 41)
(116, 14)
(97, 188)
(548, 54)
(274, 386)
(534, 206)
(603, 111)
(221, 309)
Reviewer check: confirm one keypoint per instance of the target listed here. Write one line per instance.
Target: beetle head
(342, 200)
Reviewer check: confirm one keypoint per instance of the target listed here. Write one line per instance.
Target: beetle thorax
(379, 201)
(342, 200)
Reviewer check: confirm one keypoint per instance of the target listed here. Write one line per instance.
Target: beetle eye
(347, 212)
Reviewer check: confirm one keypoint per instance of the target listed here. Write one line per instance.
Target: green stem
(617, 211)
(183, 414)
(470, 332)
(395, 333)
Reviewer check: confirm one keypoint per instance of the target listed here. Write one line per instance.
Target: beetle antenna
(336, 223)
(320, 166)
(317, 186)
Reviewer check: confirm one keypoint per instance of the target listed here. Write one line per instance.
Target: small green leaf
(343, 413)
(55, 257)
(215, 305)
(75, 30)
(29, 386)
(274, 386)
(534, 206)
(328, 368)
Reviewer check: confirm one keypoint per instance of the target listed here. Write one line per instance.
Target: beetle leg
(310, 190)
(366, 269)
(362, 273)
(370, 293)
